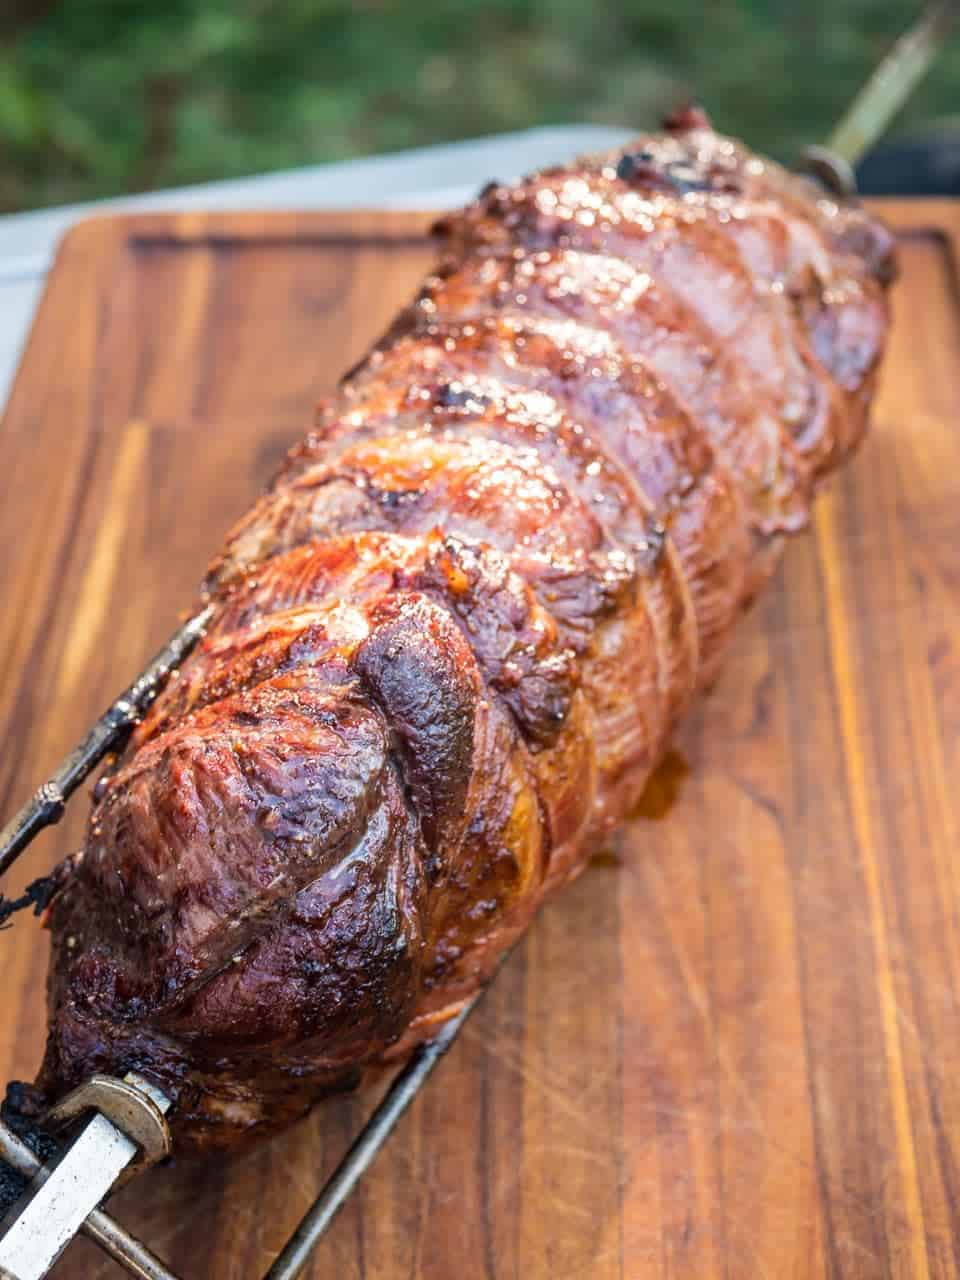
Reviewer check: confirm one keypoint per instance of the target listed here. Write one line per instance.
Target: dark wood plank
(728, 1050)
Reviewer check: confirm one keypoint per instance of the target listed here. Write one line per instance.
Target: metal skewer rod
(372, 1137)
(879, 100)
(48, 803)
(894, 79)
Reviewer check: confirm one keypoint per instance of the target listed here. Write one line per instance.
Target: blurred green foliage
(103, 96)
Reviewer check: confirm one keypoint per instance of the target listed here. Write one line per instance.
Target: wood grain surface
(731, 1049)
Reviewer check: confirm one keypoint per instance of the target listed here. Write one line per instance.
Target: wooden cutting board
(733, 1047)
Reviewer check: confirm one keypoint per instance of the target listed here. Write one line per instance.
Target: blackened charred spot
(248, 719)
(629, 163)
(23, 1103)
(134, 1009)
(21, 1108)
(394, 500)
(454, 395)
(645, 168)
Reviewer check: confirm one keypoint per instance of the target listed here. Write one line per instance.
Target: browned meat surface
(452, 639)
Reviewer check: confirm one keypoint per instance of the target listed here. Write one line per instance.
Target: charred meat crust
(452, 638)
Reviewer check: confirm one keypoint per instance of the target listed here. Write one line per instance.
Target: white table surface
(428, 177)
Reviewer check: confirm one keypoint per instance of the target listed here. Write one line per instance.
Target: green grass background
(104, 96)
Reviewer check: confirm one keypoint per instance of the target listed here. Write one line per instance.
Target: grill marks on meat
(453, 637)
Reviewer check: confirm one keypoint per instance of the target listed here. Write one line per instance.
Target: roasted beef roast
(452, 639)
